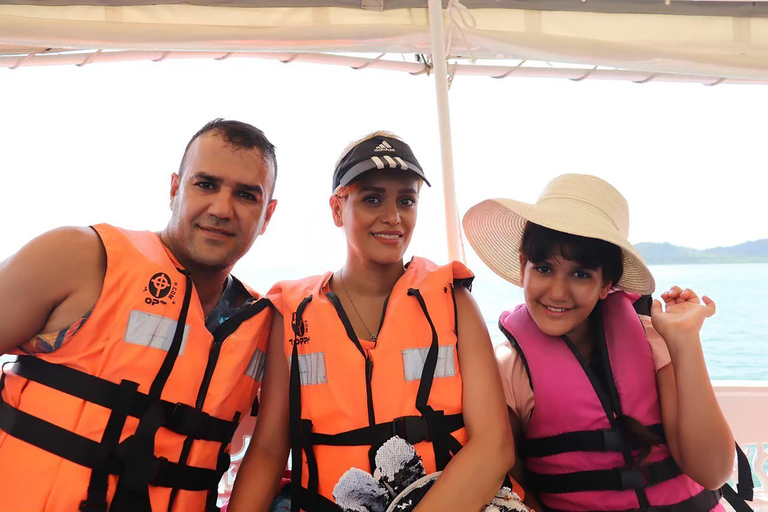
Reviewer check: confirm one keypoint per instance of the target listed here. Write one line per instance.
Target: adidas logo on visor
(384, 146)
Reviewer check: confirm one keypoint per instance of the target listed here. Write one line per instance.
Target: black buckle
(631, 478)
(435, 423)
(185, 419)
(88, 506)
(157, 466)
(413, 429)
(612, 440)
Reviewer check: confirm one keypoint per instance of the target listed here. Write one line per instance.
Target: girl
(622, 420)
(377, 348)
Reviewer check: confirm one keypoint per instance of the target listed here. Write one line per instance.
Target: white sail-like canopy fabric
(705, 38)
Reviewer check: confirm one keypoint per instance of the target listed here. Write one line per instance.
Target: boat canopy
(726, 40)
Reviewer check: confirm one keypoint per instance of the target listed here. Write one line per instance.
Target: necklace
(370, 332)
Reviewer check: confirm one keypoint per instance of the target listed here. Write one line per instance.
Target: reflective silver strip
(153, 331)
(414, 359)
(311, 368)
(255, 368)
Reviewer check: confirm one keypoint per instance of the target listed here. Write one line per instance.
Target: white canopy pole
(440, 71)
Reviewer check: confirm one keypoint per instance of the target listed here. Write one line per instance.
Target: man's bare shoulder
(49, 283)
(72, 241)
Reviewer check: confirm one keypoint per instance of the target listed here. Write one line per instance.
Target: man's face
(219, 203)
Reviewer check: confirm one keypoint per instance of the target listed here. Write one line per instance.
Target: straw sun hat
(578, 204)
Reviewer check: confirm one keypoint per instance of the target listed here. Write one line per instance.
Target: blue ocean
(735, 340)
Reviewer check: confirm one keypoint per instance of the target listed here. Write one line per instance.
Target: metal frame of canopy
(535, 29)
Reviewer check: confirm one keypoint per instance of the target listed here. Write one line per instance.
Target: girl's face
(560, 295)
(379, 215)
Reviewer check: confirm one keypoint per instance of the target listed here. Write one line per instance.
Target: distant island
(668, 254)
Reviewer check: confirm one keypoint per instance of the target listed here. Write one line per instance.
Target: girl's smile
(560, 295)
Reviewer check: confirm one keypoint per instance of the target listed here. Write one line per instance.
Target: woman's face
(379, 214)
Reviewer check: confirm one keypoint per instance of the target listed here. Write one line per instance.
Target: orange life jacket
(349, 396)
(136, 411)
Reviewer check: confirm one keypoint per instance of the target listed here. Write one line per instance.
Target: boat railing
(744, 403)
(745, 406)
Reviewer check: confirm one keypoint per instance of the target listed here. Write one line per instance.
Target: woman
(372, 350)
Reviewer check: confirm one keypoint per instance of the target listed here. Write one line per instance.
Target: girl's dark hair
(540, 244)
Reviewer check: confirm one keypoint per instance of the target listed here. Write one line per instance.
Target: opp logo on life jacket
(300, 331)
(159, 287)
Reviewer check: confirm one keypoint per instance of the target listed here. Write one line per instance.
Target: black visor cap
(377, 153)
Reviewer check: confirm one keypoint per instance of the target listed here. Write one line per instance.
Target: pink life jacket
(577, 450)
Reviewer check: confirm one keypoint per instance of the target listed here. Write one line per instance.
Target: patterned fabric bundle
(399, 483)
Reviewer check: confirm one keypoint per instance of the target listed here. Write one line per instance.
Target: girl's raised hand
(682, 313)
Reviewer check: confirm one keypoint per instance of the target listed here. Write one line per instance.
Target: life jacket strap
(604, 440)
(96, 499)
(180, 418)
(705, 500)
(745, 485)
(86, 452)
(297, 426)
(413, 429)
(616, 479)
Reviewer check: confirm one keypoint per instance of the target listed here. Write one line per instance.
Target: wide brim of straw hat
(495, 228)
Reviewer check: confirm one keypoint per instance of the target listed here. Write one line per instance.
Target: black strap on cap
(604, 440)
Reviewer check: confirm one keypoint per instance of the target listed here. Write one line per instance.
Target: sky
(99, 144)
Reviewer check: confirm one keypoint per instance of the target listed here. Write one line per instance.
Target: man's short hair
(239, 135)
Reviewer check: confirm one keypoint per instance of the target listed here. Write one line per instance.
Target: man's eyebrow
(206, 176)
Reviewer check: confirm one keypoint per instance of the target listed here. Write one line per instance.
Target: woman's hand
(682, 315)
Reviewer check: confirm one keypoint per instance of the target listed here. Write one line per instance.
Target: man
(138, 352)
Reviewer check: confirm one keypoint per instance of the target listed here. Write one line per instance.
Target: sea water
(735, 340)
